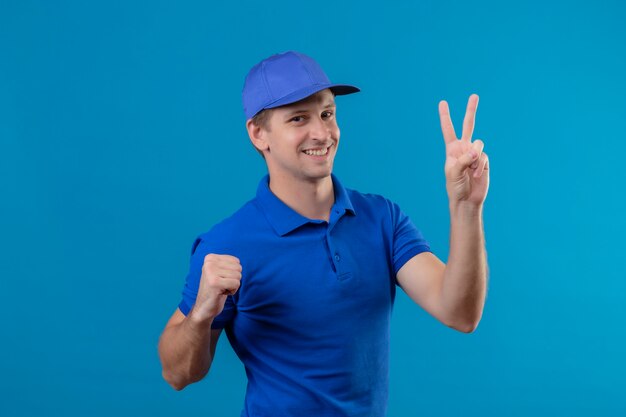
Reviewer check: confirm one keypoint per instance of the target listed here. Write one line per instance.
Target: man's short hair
(262, 119)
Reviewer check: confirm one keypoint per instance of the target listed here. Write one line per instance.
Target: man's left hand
(467, 166)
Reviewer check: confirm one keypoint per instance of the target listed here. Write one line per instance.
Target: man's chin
(319, 175)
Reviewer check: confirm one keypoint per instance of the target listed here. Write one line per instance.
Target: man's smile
(317, 151)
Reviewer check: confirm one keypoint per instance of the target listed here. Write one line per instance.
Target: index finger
(470, 116)
(446, 123)
(222, 258)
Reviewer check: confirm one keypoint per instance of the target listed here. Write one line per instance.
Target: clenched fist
(221, 277)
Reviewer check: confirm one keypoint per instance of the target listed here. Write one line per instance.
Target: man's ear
(257, 135)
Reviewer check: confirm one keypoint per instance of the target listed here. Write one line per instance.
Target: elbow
(178, 382)
(175, 382)
(466, 325)
(177, 387)
(467, 328)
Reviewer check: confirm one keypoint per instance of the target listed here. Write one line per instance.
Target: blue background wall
(122, 138)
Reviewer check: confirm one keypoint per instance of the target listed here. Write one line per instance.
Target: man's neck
(311, 199)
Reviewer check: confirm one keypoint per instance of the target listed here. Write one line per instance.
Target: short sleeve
(199, 250)
(408, 241)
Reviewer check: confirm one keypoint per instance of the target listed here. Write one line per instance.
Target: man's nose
(320, 128)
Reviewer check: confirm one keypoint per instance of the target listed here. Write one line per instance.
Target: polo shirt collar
(342, 200)
(284, 219)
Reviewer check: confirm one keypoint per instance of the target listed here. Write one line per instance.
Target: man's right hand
(187, 347)
(221, 277)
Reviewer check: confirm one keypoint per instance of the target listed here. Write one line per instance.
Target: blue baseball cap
(284, 79)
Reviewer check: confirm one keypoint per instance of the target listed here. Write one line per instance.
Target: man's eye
(327, 114)
(296, 119)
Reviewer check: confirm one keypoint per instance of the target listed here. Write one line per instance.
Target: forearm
(465, 278)
(185, 352)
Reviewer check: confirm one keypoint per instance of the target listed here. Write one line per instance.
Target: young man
(303, 277)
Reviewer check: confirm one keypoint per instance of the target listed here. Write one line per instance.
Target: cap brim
(337, 89)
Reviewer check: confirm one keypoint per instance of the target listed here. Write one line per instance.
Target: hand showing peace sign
(467, 166)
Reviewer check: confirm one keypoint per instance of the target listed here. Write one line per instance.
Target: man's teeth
(316, 152)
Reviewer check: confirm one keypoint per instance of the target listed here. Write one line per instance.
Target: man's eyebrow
(328, 105)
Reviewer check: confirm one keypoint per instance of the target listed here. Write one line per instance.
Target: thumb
(467, 159)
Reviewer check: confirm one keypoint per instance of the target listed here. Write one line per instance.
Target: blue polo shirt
(310, 321)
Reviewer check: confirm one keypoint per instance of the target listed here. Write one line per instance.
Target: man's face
(302, 138)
